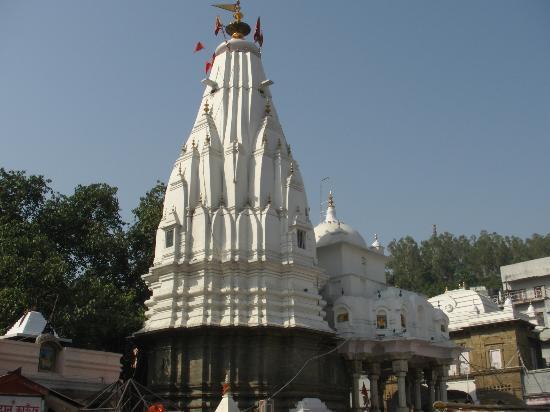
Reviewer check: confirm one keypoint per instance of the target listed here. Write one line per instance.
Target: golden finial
(193, 144)
(206, 107)
(330, 199)
(236, 29)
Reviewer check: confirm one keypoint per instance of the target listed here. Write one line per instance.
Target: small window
(169, 237)
(403, 320)
(342, 317)
(443, 328)
(452, 370)
(47, 358)
(381, 320)
(301, 237)
(495, 358)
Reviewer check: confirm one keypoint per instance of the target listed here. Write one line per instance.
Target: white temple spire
(235, 194)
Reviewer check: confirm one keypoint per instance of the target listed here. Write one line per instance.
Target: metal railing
(523, 295)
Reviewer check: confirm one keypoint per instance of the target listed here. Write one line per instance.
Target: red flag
(210, 63)
(218, 26)
(198, 47)
(258, 35)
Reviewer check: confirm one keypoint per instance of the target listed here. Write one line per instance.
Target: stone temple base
(188, 366)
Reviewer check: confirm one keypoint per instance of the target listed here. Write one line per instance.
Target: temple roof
(31, 324)
(466, 307)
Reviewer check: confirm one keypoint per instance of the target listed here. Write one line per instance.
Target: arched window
(403, 319)
(342, 316)
(381, 320)
(48, 357)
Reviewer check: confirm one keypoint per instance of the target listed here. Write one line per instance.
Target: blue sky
(421, 112)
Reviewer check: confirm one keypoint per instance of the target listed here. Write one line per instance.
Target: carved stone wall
(188, 366)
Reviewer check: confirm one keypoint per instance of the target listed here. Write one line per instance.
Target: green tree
(31, 269)
(141, 236)
(405, 269)
(72, 250)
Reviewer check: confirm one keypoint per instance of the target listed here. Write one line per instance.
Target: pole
(321, 198)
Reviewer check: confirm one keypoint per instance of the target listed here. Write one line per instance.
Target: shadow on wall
(495, 397)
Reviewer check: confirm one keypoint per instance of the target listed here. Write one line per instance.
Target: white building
(388, 331)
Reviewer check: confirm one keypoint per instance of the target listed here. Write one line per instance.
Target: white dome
(333, 231)
(462, 304)
(328, 233)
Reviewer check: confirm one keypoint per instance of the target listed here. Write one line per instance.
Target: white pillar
(374, 376)
(431, 379)
(417, 390)
(400, 368)
(443, 376)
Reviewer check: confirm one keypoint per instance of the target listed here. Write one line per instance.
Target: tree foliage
(74, 252)
(445, 260)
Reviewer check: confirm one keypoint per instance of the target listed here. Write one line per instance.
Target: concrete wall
(77, 370)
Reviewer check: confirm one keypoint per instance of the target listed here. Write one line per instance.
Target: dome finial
(331, 210)
(237, 28)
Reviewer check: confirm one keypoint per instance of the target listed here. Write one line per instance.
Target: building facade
(527, 284)
(498, 347)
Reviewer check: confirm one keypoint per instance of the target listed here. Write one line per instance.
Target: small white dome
(327, 233)
(333, 231)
